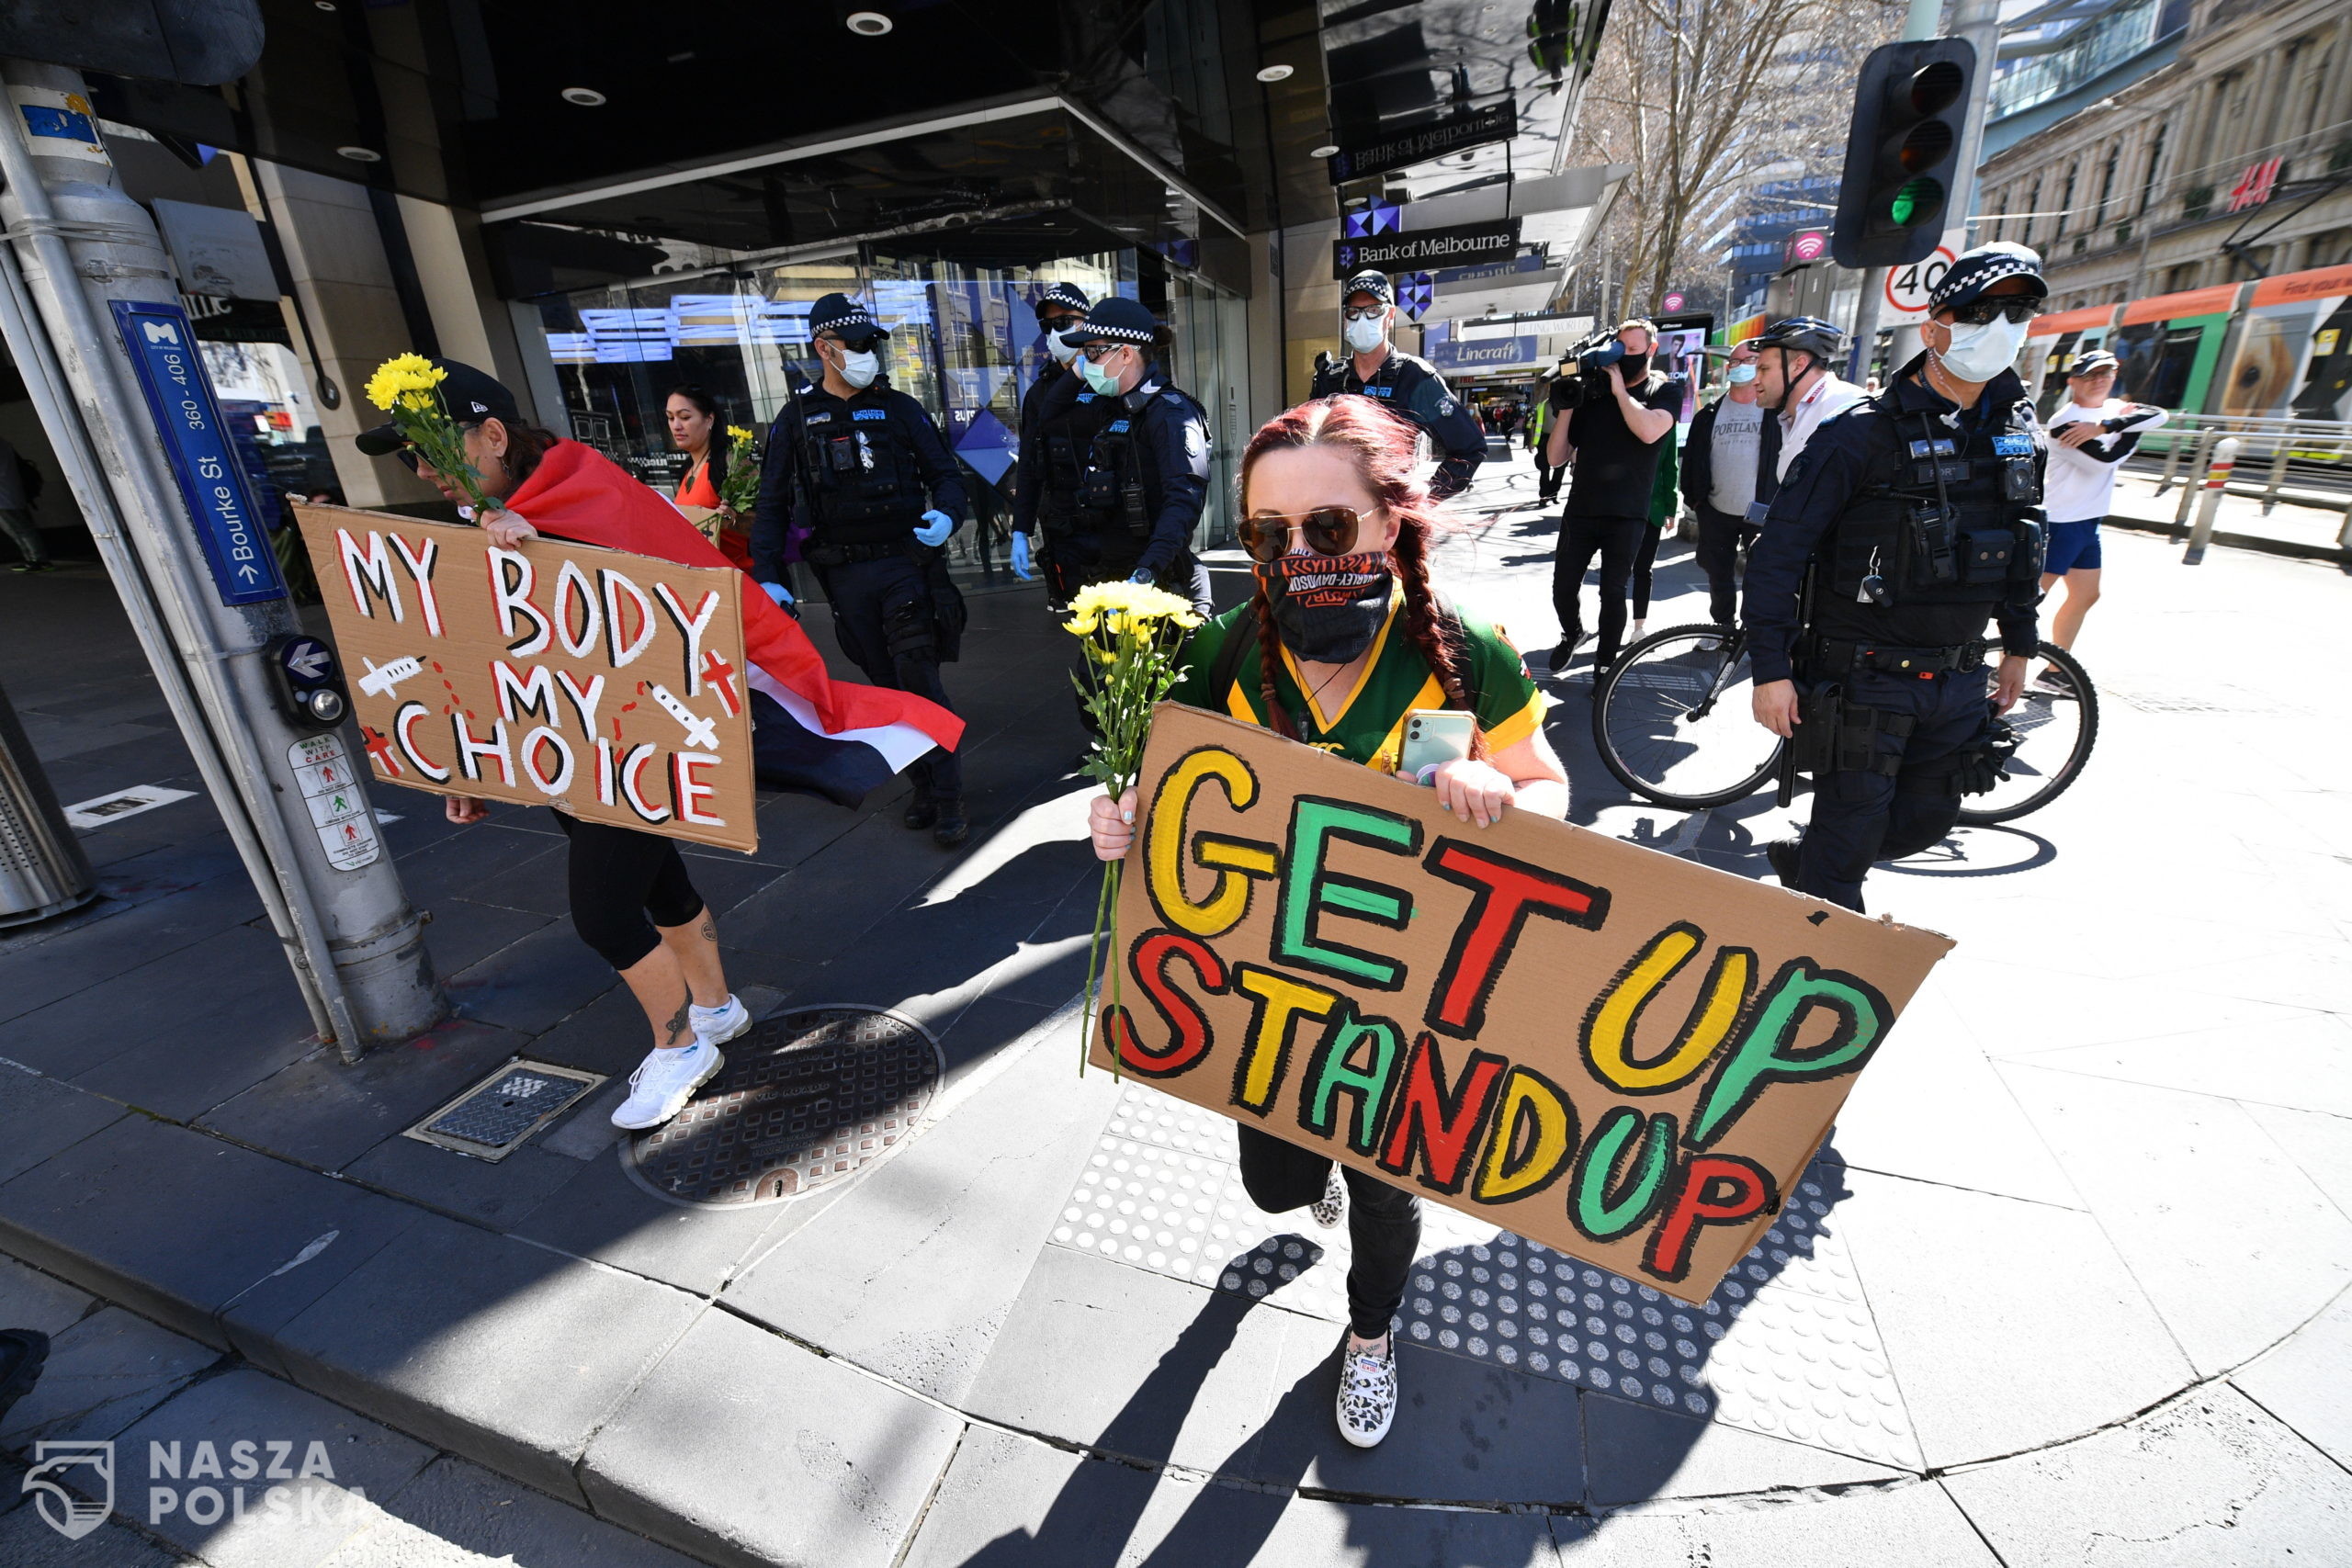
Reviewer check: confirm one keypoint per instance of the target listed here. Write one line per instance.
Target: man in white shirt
(1794, 378)
(2090, 434)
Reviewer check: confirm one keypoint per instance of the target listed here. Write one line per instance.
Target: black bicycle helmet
(1810, 334)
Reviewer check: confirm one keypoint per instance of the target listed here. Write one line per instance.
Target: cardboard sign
(556, 673)
(709, 520)
(1619, 1053)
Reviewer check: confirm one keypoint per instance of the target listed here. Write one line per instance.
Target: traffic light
(1903, 151)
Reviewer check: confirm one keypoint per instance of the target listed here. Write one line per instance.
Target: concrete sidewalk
(2066, 1285)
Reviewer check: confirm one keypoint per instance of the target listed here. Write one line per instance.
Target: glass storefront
(964, 343)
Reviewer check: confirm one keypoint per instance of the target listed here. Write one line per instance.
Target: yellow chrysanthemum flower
(737, 432)
(403, 372)
(1128, 607)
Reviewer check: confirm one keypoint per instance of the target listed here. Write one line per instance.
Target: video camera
(1592, 358)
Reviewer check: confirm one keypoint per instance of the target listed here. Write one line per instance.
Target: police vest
(862, 474)
(1949, 519)
(1101, 478)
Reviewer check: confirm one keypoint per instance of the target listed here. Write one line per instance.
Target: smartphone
(1435, 736)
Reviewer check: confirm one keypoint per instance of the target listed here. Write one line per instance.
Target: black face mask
(1633, 367)
(1329, 608)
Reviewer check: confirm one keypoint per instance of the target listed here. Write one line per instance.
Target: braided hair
(1383, 446)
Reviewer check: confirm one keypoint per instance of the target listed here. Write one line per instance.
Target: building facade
(2172, 147)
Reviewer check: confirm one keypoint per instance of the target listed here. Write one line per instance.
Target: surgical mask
(860, 369)
(1365, 336)
(1740, 375)
(1981, 353)
(1329, 608)
(1060, 347)
(1100, 378)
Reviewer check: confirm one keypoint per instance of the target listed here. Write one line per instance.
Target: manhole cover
(807, 1100)
(490, 1120)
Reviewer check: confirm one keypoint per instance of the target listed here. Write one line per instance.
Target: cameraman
(1623, 408)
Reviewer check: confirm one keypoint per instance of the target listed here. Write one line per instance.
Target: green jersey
(1366, 723)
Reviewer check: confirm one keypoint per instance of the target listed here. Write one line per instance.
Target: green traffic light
(1918, 201)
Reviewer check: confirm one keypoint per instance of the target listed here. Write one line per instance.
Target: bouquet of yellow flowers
(408, 387)
(738, 491)
(1132, 634)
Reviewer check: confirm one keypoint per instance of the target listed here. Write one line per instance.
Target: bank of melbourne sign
(1455, 133)
(1463, 244)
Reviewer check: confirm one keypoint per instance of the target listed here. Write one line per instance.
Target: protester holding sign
(632, 897)
(1359, 640)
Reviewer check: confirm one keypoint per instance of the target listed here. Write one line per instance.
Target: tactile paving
(1785, 1346)
(807, 1100)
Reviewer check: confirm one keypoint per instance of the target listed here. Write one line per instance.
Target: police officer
(860, 472)
(1905, 523)
(1060, 311)
(1405, 382)
(1119, 464)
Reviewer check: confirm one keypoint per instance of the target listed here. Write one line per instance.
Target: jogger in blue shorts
(2084, 458)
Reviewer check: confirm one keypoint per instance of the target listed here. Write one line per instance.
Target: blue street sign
(179, 394)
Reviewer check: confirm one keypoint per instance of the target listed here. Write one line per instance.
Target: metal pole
(1978, 21)
(2196, 466)
(350, 933)
(2226, 457)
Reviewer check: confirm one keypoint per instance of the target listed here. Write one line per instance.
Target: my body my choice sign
(1614, 1052)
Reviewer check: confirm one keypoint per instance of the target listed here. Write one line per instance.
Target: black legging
(623, 883)
(1384, 1222)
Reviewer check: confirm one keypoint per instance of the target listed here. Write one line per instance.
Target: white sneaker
(1328, 1208)
(1367, 1393)
(664, 1081)
(716, 1026)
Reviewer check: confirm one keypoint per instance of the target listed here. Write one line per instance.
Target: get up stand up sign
(554, 675)
(1616, 1052)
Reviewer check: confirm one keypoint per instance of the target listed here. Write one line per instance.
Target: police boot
(948, 828)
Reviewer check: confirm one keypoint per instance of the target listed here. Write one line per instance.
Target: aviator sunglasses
(1328, 531)
(1980, 312)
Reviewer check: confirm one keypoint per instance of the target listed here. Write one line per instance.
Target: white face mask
(1979, 353)
(1365, 336)
(860, 369)
(1057, 345)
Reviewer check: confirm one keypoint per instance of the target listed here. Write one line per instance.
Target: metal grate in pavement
(490, 1120)
(1786, 1345)
(808, 1099)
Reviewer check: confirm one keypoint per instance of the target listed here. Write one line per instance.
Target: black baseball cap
(2097, 361)
(470, 396)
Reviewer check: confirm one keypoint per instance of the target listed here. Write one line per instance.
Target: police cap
(1980, 268)
(1062, 297)
(1372, 282)
(470, 395)
(1116, 319)
(845, 319)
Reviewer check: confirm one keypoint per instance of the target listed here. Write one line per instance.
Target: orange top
(695, 488)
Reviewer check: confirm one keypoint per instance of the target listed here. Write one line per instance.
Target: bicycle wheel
(1673, 720)
(2058, 724)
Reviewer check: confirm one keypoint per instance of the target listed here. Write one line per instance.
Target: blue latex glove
(1143, 576)
(779, 592)
(1021, 567)
(941, 526)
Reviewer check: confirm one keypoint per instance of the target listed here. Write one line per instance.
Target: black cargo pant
(884, 620)
(1720, 533)
(1384, 1222)
(1861, 815)
(1616, 540)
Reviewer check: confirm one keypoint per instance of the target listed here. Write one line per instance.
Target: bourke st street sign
(554, 675)
(1615, 1052)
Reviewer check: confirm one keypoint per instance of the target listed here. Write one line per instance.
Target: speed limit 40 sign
(1908, 287)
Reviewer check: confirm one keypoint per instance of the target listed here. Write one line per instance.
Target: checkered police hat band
(1123, 334)
(1966, 276)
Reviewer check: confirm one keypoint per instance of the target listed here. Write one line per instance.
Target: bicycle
(1672, 721)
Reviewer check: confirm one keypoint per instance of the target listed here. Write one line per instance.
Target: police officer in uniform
(1405, 382)
(1060, 311)
(1117, 469)
(860, 471)
(1905, 523)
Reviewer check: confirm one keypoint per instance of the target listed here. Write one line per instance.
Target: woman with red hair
(1341, 532)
